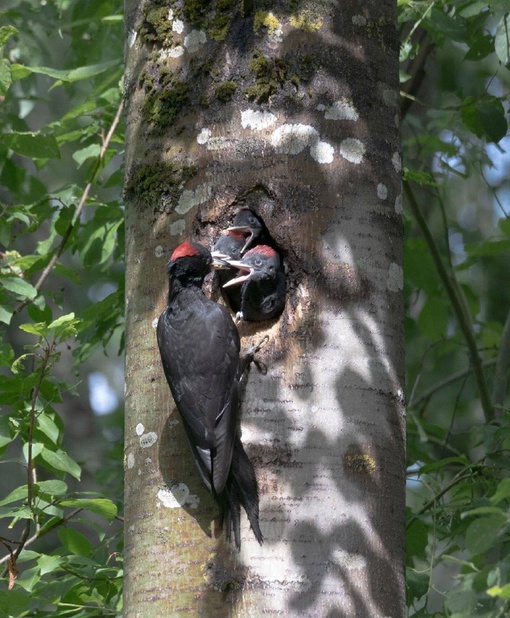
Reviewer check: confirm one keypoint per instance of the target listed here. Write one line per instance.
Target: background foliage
(61, 305)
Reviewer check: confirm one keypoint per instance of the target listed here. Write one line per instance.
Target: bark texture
(294, 114)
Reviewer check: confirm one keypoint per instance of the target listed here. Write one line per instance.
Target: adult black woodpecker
(262, 280)
(199, 347)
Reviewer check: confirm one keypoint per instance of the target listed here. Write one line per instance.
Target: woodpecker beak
(245, 231)
(219, 260)
(245, 272)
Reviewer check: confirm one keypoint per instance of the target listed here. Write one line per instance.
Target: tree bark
(296, 116)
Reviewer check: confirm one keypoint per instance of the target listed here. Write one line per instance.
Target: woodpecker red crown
(185, 249)
(261, 249)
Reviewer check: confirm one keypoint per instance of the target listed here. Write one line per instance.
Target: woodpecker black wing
(199, 346)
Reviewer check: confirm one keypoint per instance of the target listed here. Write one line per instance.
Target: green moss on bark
(159, 184)
(225, 91)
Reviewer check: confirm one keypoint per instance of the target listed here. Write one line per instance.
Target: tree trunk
(296, 116)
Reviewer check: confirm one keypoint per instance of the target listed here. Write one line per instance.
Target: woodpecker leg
(249, 358)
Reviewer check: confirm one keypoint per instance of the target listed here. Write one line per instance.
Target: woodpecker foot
(249, 357)
(239, 318)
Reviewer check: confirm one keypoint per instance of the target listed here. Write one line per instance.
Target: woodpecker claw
(249, 357)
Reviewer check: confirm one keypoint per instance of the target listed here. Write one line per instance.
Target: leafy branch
(458, 306)
(67, 234)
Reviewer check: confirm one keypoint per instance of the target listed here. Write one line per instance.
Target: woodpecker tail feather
(241, 490)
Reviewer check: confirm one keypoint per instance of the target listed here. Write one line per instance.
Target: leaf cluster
(455, 84)
(61, 289)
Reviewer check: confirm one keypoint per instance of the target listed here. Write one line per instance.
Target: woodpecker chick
(253, 229)
(262, 280)
(199, 347)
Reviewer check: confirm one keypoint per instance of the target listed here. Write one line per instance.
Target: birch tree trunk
(294, 114)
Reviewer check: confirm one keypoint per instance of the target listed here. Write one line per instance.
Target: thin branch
(454, 377)
(456, 479)
(502, 366)
(458, 306)
(61, 248)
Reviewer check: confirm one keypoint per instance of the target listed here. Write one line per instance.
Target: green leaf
(502, 491)
(100, 506)
(502, 40)
(5, 314)
(483, 532)
(18, 286)
(5, 34)
(502, 592)
(86, 72)
(53, 487)
(33, 145)
(48, 564)
(74, 541)
(48, 427)
(19, 493)
(5, 76)
(59, 460)
(39, 328)
(89, 152)
(485, 118)
(14, 602)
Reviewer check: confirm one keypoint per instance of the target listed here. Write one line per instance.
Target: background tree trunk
(296, 116)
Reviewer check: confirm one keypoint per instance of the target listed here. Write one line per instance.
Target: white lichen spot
(322, 152)
(359, 20)
(139, 429)
(173, 52)
(130, 461)
(395, 281)
(177, 227)
(132, 38)
(176, 496)
(154, 323)
(382, 191)
(251, 119)
(148, 439)
(397, 162)
(294, 138)
(349, 560)
(389, 96)
(399, 204)
(159, 251)
(193, 197)
(170, 14)
(194, 40)
(352, 150)
(203, 136)
(178, 26)
(341, 110)
(321, 107)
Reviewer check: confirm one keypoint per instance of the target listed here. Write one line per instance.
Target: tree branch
(501, 374)
(458, 306)
(61, 248)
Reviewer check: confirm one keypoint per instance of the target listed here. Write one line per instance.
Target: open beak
(244, 273)
(219, 260)
(245, 231)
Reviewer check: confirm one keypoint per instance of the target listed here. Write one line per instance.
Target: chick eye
(252, 220)
(258, 262)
